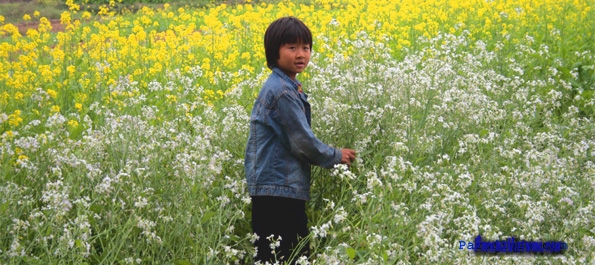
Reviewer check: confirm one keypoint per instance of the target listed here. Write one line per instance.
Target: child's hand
(347, 156)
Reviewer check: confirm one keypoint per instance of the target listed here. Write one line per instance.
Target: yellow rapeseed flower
(171, 99)
(206, 64)
(73, 123)
(55, 109)
(72, 5)
(53, 94)
(103, 11)
(8, 135)
(26, 17)
(65, 18)
(15, 119)
(71, 69)
(4, 97)
(78, 106)
(18, 96)
(23, 158)
(44, 25)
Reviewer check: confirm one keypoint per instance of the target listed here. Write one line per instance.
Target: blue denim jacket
(281, 145)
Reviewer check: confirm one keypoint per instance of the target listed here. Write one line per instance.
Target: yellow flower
(71, 69)
(15, 119)
(4, 97)
(18, 96)
(44, 25)
(73, 123)
(53, 94)
(36, 14)
(81, 97)
(171, 99)
(72, 6)
(65, 18)
(55, 109)
(26, 17)
(103, 11)
(206, 64)
(8, 135)
(22, 158)
(78, 106)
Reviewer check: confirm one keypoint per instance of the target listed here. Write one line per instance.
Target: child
(281, 146)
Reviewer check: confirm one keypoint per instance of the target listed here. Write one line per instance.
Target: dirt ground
(24, 26)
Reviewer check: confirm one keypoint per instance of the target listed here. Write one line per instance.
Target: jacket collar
(296, 84)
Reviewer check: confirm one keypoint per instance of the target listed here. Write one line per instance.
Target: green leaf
(96, 208)
(182, 262)
(216, 192)
(207, 216)
(587, 232)
(3, 208)
(92, 220)
(351, 253)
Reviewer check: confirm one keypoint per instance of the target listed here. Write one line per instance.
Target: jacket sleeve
(297, 136)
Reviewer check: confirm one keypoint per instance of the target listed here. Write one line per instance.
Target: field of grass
(122, 137)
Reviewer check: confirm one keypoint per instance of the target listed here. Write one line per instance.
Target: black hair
(281, 31)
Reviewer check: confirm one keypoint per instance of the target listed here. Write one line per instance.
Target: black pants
(283, 217)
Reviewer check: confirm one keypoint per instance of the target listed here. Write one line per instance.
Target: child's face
(293, 58)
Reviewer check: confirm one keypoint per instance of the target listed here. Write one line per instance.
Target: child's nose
(300, 53)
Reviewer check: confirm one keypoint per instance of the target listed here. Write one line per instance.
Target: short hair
(281, 31)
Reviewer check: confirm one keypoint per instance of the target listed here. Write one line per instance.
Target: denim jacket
(281, 145)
